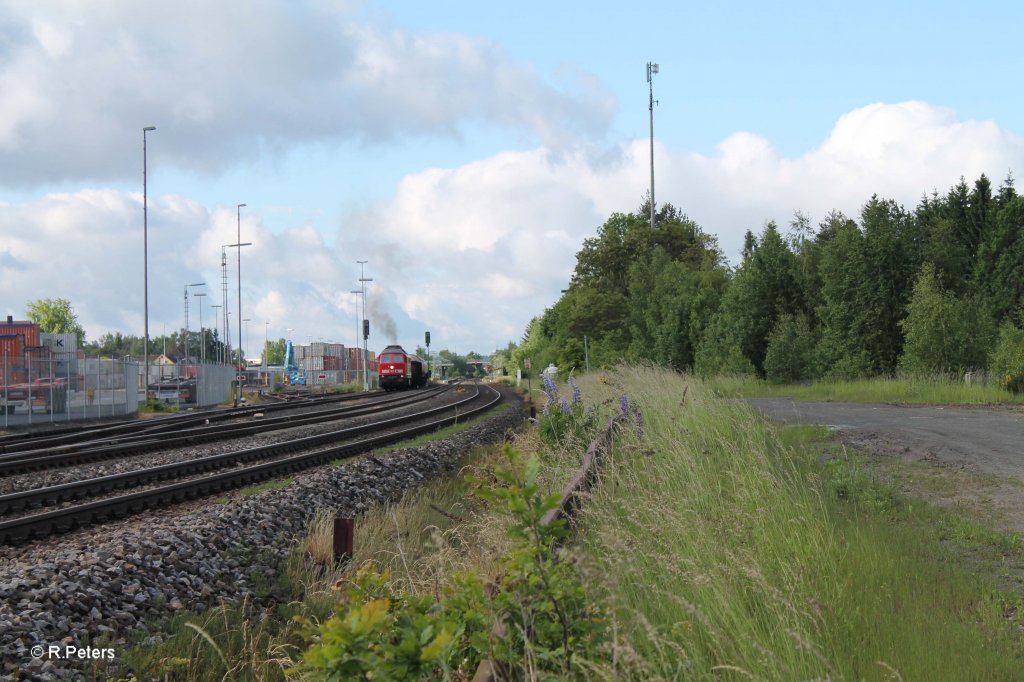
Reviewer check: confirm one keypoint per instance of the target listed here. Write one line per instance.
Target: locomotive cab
(399, 369)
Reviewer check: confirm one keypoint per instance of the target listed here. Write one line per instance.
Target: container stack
(64, 348)
(320, 357)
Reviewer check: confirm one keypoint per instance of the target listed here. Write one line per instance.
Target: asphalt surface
(986, 439)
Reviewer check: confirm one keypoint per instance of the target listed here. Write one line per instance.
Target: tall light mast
(652, 71)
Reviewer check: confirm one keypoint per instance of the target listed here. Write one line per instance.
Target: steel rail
(121, 447)
(27, 441)
(63, 520)
(76, 490)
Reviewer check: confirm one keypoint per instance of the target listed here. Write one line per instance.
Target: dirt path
(979, 452)
(988, 440)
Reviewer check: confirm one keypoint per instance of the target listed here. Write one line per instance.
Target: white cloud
(470, 253)
(228, 82)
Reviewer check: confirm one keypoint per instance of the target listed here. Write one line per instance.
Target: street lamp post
(202, 330)
(366, 335)
(652, 70)
(217, 318)
(246, 320)
(239, 246)
(266, 352)
(198, 284)
(357, 292)
(145, 262)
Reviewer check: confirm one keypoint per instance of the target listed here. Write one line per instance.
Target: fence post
(344, 538)
(30, 396)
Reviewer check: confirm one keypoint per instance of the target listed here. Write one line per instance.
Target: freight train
(399, 369)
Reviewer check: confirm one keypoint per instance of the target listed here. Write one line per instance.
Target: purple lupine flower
(624, 404)
(576, 395)
(639, 422)
(550, 390)
(565, 406)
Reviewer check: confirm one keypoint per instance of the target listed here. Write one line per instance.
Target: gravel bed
(101, 584)
(49, 477)
(230, 467)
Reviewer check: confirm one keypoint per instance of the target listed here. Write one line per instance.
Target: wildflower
(639, 422)
(565, 406)
(576, 396)
(624, 405)
(550, 390)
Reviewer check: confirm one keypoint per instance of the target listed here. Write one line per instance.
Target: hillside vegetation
(933, 290)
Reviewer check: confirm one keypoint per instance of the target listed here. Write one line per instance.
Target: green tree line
(936, 289)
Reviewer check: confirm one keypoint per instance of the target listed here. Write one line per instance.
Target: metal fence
(40, 388)
(50, 388)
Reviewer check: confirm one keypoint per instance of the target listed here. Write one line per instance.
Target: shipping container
(332, 363)
(10, 347)
(27, 330)
(60, 343)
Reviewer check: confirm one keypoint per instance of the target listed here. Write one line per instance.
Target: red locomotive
(399, 369)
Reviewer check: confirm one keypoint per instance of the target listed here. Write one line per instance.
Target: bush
(719, 352)
(383, 635)
(1007, 363)
(790, 355)
(563, 421)
(942, 333)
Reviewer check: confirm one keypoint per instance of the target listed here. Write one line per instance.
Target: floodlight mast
(652, 70)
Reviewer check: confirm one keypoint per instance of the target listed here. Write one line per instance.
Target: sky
(463, 151)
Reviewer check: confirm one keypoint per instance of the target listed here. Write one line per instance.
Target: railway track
(29, 440)
(25, 528)
(199, 430)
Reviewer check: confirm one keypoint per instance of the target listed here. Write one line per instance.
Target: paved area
(989, 440)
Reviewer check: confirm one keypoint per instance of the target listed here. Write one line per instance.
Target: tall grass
(907, 390)
(725, 552)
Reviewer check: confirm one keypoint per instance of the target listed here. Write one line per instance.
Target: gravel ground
(49, 477)
(104, 582)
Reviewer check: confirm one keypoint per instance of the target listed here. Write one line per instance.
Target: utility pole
(652, 70)
(366, 323)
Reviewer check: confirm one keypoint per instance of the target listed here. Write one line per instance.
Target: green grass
(722, 546)
(442, 433)
(269, 485)
(901, 391)
(156, 407)
(415, 538)
(729, 549)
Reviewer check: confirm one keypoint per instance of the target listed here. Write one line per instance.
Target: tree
(275, 352)
(55, 316)
(943, 333)
(790, 356)
(764, 288)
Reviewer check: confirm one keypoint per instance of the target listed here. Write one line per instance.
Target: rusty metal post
(344, 538)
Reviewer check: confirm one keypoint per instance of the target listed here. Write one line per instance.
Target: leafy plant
(379, 633)
(1008, 359)
(562, 420)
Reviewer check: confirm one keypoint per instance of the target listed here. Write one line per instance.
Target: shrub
(380, 634)
(1007, 363)
(790, 354)
(942, 332)
(563, 420)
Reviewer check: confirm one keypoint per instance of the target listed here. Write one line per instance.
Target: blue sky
(464, 150)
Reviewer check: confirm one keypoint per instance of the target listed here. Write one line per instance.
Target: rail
(27, 528)
(572, 498)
